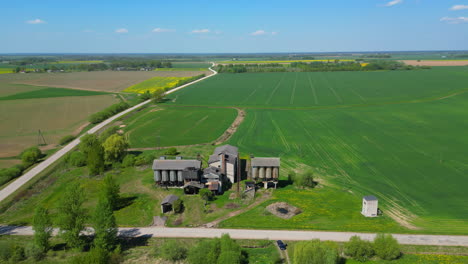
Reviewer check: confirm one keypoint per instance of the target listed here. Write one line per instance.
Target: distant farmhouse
(222, 171)
(370, 206)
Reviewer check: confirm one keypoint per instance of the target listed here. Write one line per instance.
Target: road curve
(435, 240)
(15, 185)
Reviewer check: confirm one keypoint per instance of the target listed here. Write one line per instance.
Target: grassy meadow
(177, 125)
(41, 92)
(324, 89)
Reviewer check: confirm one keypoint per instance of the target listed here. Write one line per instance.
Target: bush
(171, 152)
(108, 112)
(94, 256)
(359, 249)
(206, 194)
(77, 159)
(66, 139)
(386, 247)
(315, 252)
(7, 174)
(305, 179)
(5, 250)
(108, 132)
(171, 250)
(17, 253)
(144, 159)
(128, 161)
(178, 206)
(31, 156)
(34, 252)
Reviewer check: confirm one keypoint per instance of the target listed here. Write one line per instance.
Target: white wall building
(225, 158)
(370, 206)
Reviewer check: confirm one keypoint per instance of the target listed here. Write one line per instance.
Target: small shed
(370, 206)
(193, 187)
(168, 202)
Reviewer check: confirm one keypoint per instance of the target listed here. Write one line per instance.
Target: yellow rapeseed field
(154, 84)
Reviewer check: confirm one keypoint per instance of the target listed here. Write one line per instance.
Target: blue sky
(182, 26)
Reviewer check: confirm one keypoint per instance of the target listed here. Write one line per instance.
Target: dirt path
(238, 212)
(223, 138)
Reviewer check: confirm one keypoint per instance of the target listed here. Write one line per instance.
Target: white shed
(370, 206)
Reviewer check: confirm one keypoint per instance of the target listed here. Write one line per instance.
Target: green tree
(77, 159)
(128, 161)
(31, 156)
(173, 251)
(178, 206)
(114, 148)
(110, 191)
(71, 215)
(105, 227)
(206, 194)
(359, 249)
(96, 160)
(158, 95)
(42, 227)
(315, 252)
(205, 252)
(87, 142)
(386, 247)
(305, 179)
(171, 152)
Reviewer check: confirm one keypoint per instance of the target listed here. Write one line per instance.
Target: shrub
(386, 247)
(108, 112)
(34, 252)
(8, 174)
(114, 148)
(144, 159)
(171, 250)
(305, 179)
(128, 161)
(206, 194)
(178, 206)
(171, 152)
(17, 253)
(108, 132)
(94, 256)
(5, 250)
(66, 139)
(315, 252)
(31, 156)
(77, 159)
(359, 249)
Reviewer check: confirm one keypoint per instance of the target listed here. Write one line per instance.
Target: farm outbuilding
(265, 169)
(370, 206)
(168, 202)
(226, 159)
(175, 172)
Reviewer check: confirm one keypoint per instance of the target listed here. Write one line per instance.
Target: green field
(42, 92)
(278, 61)
(190, 64)
(178, 126)
(155, 83)
(179, 69)
(324, 89)
(402, 139)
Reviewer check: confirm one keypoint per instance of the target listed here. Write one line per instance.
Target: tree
(158, 95)
(77, 159)
(96, 160)
(71, 215)
(315, 252)
(105, 227)
(386, 247)
(30, 156)
(206, 194)
(42, 227)
(359, 249)
(128, 161)
(172, 251)
(110, 191)
(205, 252)
(305, 179)
(178, 206)
(87, 142)
(114, 148)
(171, 152)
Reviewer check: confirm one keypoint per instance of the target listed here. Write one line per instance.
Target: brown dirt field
(9, 163)
(55, 117)
(108, 81)
(436, 63)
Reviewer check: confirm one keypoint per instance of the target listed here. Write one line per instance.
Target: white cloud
(35, 21)
(459, 7)
(274, 33)
(200, 31)
(121, 30)
(394, 2)
(258, 33)
(455, 20)
(162, 30)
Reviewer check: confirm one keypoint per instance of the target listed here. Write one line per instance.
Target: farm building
(265, 169)
(213, 178)
(176, 172)
(370, 206)
(168, 202)
(225, 158)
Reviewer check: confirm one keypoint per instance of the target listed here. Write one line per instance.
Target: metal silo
(157, 175)
(172, 176)
(254, 173)
(179, 176)
(268, 173)
(261, 173)
(165, 176)
(275, 173)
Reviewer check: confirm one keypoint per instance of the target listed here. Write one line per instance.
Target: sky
(253, 26)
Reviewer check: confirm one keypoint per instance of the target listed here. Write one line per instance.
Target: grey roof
(175, 164)
(170, 199)
(265, 162)
(212, 170)
(230, 158)
(226, 149)
(370, 198)
(195, 185)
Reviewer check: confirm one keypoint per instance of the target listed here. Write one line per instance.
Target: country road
(15, 185)
(436, 240)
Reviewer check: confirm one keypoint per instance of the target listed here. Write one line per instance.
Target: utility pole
(40, 138)
(158, 141)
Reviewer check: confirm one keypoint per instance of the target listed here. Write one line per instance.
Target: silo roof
(370, 198)
(265, 162)
(175, 164)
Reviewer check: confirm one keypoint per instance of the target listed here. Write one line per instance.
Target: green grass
(155, 83)
(50, 93)
(79, 62)
(204, 65)
(178, 125)
(180, 69)
(324, 89)
(418, 259)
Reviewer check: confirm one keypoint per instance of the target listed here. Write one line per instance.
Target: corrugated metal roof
(265, 162)
(226, 149)
(175, 164)
(229, 159)
(370, 198)
(170, 199)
